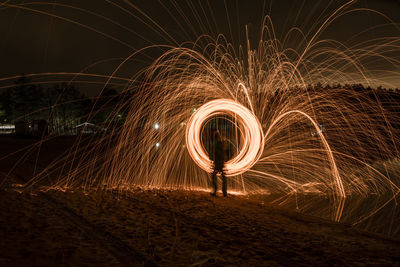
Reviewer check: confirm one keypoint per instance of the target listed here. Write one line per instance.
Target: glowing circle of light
(251, 132)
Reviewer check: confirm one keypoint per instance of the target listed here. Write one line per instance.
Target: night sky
(77, 36)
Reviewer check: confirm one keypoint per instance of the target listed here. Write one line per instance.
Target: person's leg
(224, 185)
(214, 182)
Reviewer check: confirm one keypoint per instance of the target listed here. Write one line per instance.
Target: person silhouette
(219, 151)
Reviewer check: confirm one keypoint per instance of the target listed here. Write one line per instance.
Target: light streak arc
(252, 135)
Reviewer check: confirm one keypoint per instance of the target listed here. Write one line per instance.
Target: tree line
(62, 106)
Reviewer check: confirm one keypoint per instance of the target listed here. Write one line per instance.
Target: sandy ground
(170, 228)
(174, 229)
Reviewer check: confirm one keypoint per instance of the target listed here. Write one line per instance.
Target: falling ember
(253, 142)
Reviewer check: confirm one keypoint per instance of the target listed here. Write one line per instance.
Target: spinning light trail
(252, 133)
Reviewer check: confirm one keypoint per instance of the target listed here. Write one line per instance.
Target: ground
(170, 228)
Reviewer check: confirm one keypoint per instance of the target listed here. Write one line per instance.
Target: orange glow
(253, 137)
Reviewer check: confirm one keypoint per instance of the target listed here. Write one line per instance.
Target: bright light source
(157, 145)
(253, 139)
(7, 127)
(157, 126)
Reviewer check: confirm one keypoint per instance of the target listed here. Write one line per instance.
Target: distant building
(7, 128)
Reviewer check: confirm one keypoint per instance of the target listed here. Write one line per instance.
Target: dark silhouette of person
(219, 151)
